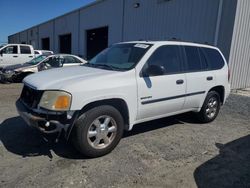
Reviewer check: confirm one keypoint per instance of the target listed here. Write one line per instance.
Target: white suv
(126, 84)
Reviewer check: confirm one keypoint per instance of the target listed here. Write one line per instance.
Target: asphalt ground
(170, 152)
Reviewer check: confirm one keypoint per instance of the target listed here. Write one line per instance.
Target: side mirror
(154, 70)
(1, 53)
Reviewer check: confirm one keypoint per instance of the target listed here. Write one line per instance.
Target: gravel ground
(171, 152)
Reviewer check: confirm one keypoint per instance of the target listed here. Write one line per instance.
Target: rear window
(25, 50)
(213, 58)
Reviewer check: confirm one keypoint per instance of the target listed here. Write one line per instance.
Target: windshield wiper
(102, 65)
(107, 66)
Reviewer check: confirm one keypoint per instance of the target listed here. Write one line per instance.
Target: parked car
(16, 73)
(126, 84)
(43, 52)
(11, 54)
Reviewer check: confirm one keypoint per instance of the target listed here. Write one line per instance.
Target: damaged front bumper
(6, 77)
(48, 122)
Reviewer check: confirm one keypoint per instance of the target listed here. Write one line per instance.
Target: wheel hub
(102, 132)
(211, 108)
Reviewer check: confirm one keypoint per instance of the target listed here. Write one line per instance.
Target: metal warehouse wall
(65, 25)
(47, 30)
(108, 13)
(240, 50)
(13, 38)
(191, 20)
(226, 26)
(99, 14)
(218, 22)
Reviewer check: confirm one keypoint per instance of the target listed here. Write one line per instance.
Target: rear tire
(98, 131)
(210, 108)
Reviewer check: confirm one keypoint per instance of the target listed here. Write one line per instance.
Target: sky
(18, 15)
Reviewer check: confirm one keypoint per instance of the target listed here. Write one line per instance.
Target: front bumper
(48, 122)
(6, 77)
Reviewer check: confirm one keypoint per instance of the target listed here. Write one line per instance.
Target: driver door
(163, 94)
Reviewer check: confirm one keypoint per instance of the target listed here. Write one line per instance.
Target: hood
(59, 78)
(17, 66)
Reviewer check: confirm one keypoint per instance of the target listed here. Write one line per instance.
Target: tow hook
(59, 128)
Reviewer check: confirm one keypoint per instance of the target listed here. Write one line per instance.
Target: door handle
(179, 82)
(209, 78)
(15, 56)
(31, 56)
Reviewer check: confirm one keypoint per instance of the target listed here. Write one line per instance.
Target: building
(87, 30)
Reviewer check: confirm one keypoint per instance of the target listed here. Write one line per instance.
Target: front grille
(31, 97)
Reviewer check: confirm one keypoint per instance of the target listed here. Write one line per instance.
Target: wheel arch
(118, 103)
(221, 91)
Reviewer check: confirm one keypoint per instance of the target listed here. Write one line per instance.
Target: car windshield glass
(119, 56)
(37, 60)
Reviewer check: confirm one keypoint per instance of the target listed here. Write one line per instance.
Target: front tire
(210, 108)
(98, 131)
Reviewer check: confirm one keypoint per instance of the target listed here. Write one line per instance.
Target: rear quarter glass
(214, 58)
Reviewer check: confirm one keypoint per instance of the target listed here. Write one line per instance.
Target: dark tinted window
(193, 58)
(167, 57)
(25, 50)
(203, 59)
(214, 58)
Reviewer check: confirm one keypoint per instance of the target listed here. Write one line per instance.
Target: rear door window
(25, 50)
(213, 58)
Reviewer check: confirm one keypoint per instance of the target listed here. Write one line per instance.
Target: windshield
(37, 60)
(120, 56)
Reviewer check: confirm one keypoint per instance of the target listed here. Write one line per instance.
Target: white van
(11, 54)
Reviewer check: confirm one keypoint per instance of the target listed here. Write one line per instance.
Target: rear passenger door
(200, 78)
(163, 94)
(25, 54)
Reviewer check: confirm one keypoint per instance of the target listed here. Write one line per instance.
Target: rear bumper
(46, 122)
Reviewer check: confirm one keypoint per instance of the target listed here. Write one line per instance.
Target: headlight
(55, 100)
(8, 71)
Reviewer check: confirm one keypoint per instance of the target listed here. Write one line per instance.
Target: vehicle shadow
(230, 169)
(18, 138)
